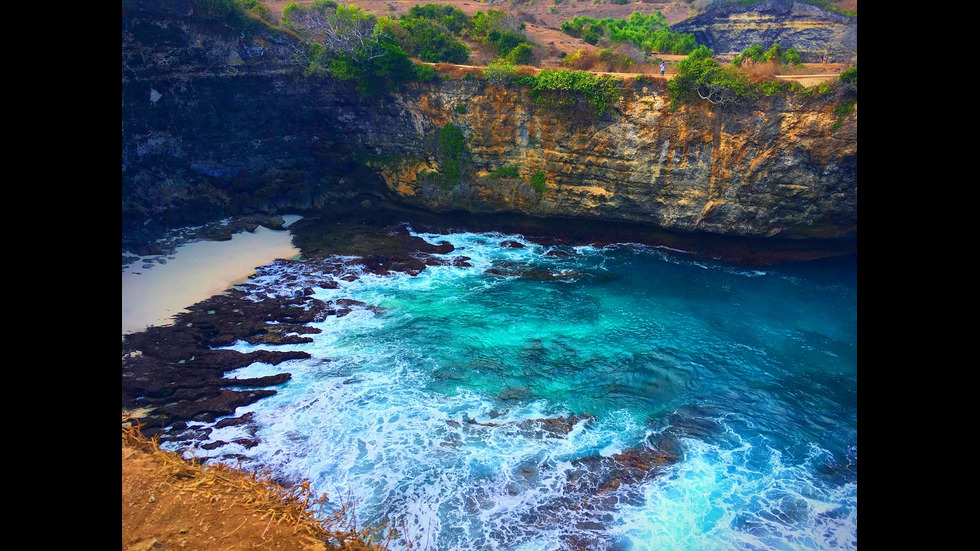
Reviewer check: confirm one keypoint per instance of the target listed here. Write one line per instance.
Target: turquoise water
(749, 375)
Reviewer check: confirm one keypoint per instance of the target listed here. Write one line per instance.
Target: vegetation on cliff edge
(701, 77)
(573, 92)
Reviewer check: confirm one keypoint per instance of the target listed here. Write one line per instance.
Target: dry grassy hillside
(542, 22)
(169, 503)
(543, 19)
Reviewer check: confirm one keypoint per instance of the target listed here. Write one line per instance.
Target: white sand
(198, 271)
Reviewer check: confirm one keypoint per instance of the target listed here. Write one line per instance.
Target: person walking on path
(663, 67)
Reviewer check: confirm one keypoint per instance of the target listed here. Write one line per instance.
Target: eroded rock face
(216, 121)
(810, 30)
(779, 167)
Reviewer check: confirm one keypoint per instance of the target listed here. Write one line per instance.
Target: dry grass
(607, 61)
(758, 72)
(456, 71)
(761, 72)
(294, 508)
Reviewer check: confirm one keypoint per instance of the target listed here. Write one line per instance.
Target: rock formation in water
(216, 121)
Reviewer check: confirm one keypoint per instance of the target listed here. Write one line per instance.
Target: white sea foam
(454, 467)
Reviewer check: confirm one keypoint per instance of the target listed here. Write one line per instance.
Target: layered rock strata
(216, 121)
(808, 29)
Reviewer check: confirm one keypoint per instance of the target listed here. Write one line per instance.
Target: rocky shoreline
(173, 377)
(176, 373)
(158, 246)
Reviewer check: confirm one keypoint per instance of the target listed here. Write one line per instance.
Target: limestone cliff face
(215, 121)
(811, 31)
(778, 167)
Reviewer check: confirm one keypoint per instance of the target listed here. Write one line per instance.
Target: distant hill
(810, 30)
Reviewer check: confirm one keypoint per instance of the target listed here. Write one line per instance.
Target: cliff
(216, 121)
(810, 30)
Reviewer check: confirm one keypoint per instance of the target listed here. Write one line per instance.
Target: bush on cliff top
(700, 77)
(650, 32)
(245, 11)
(775, 54)
(432, 41)
(573, 92)
(350, 44)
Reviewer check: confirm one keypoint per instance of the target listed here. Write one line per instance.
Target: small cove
(429, 409)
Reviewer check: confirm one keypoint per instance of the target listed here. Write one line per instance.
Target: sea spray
(428, 409)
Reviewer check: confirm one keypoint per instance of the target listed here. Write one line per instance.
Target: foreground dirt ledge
(170, 503)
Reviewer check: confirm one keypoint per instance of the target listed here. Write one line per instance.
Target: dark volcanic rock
(218, 122)
(177, 370)
(554, 427)
(235, 421)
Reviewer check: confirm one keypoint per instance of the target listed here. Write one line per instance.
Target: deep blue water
(748, 375)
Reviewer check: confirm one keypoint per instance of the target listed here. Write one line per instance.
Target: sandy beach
(197, 271)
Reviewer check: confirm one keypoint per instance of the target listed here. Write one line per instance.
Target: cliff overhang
(217, 122)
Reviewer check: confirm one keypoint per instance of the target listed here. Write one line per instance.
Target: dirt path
(827, 73)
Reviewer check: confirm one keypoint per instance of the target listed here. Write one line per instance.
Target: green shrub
(792, 57)
(574, 90)
(461, 108)
(506, 171)
(453, 18)
(453, 155)
(522, 54)
(375, 64)
(499, 30)
(245, 12)
(431, 41)
(425, 72)
(500, 71)
(539, 181)
(771, 88)
(844, 109)
(700, 77)
(650, 32)
(774, 54)
(849, 76)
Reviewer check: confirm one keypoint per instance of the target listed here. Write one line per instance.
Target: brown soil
(543, 26)
(169, 503)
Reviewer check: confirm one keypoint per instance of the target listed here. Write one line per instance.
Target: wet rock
(176, 371)
(248, 443)
(270, 380)
(235, 421)
(536, 273)
(512, 245)
(559, 253)
(448, 373)
(184, 434)
(514, 393)
(554, 427)
(208, 408)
